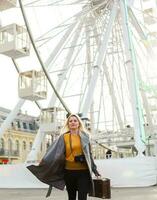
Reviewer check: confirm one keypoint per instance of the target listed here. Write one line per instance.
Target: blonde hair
(81, 125)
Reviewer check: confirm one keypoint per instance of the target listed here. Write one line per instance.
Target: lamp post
(149, 152)
(9, 146)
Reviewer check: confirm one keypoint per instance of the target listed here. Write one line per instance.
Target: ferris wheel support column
(133, 82)
(6, 124)
(145, 101)
(32, 156)
(101, 53)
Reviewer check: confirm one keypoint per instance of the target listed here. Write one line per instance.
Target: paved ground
(148, 193)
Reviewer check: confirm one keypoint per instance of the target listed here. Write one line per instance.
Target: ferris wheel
(93, 57)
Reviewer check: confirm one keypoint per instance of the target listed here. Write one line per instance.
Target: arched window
(30, 145)
(1, 143)
(17, 145)
(24, 145)
(10, 145)
(18, 124)
(24, 125)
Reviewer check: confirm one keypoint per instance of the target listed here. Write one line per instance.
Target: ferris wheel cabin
(14, 41)
(32, 85)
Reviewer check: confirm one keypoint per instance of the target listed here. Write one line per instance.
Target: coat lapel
(84, 140)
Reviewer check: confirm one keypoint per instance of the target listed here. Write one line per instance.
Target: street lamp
(149, 151)
(9, 146)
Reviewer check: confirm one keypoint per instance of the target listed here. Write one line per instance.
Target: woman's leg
(71, 184)
(83, 184)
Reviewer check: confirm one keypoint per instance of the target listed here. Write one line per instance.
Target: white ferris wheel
(91, 57)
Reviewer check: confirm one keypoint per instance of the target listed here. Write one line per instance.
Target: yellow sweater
(72, 151)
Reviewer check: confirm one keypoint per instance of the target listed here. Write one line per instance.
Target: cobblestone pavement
(148, 193)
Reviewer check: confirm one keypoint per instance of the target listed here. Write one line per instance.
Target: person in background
(108, 153)
(68, 161)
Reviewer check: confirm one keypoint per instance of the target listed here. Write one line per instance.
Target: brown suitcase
(101, 188)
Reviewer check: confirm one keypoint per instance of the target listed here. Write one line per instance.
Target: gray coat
(51, 168)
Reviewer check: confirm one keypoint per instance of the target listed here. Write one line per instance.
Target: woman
(69, 161)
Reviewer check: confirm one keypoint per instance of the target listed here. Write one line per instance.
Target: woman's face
(73, 123)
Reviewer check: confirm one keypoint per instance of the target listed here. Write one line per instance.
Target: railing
(6, 152)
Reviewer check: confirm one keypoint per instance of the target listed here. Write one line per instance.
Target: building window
(24, 145)
(31, 126)
(24, 125)
(17, 145)
(18, 124)
(10, 144)
(30, 145)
